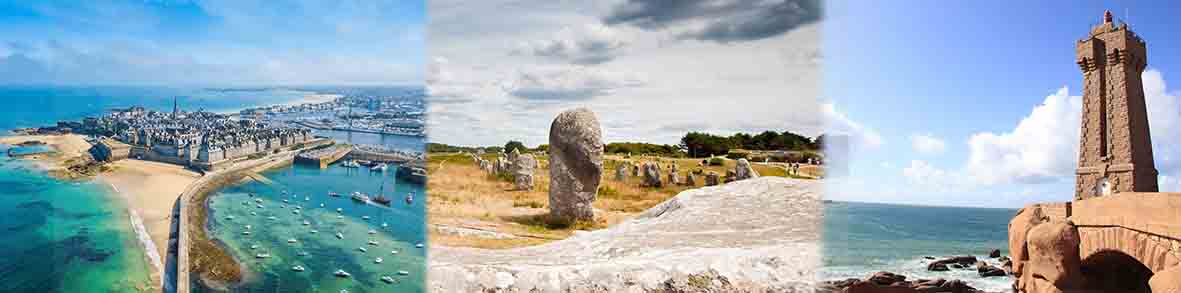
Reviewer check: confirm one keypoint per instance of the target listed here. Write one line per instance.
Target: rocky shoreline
(995, 265)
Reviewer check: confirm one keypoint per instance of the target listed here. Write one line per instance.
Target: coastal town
(392, 115)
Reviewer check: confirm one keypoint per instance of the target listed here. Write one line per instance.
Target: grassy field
(462, 195)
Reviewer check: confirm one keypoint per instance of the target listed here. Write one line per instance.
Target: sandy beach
(151, 190)
(68, 146)
(313, 99)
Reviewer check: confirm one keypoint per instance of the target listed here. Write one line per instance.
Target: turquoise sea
(863, 238)
(60, 236)
(395, 229)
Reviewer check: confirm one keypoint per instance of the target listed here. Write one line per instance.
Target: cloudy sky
(651, 70)
(214, 42)
(978, 104)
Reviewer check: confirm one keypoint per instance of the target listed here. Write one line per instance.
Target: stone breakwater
(761, 234)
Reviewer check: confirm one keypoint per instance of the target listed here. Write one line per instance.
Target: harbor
(323, 229)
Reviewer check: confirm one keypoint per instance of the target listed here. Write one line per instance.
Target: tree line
(693, 144)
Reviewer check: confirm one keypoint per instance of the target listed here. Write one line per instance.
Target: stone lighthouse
(1115, 150)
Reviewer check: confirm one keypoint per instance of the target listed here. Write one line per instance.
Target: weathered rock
(1054, 261)
(673, 180)
(651, 176)
(523, 171)
(711, 178)
(690, 180)
(635, 170)
(576, 165)
(986, 270)
(1019, 226)
(1168, 280)
(995, 253)
(766, 233)
(743, 170)
(512, 156)
(886, 282)
(730, 176)
(937, 267)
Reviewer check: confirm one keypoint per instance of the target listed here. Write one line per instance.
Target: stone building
(1118, 234)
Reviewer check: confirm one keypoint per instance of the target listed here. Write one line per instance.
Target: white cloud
(927, 144)
(587, 44)
(1044, 145)
(569, 83)
(925, 176)
(1042, 148)
(839, 124)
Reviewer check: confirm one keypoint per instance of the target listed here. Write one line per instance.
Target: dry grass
(462, 195)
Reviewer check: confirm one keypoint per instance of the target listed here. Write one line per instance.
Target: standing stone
(672, 179)
(576, 165)
(621, 172)
(635, 170)
(744, 170)
(730, 176)
(651, 176)
(522, 171)
(673, 168)
(711, 178)
(512, 156)
(690, 180)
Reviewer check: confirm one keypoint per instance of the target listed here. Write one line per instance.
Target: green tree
(512, 144)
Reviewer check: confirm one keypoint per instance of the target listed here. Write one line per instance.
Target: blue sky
(212, 42)
(962, 104)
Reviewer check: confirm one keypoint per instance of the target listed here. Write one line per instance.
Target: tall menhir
(1115, 151)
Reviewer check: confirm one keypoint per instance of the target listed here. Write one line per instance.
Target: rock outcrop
(758, 235)
(621, 171)
(576, 165)
(690, 180)
(887, 282)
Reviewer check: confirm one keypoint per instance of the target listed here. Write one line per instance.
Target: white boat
(297, 268)
(419, 245)
(292, 240)
(338, 210)
(314, 231)
(284, 192)
(272, 218)
(339, 236)
(305, 223)
(358, 196)
(372, 232)
(253, 214)
(393, 252)
(248, 227)
(379, 167)
(262, 255)
(387, 279)
(333, 194)
(254, 246)
(259, 206)
(245, 232)
(295, 212)
(298, 207)
(285, 201)
(229, 217)
(321, 205)
(404, 273)
(362, 249)
(373, 242)
(340, 217)
(378, 260)
(342, 274)
(302, 253)
(258, 200)
(306, 198)
(383, 225)
(282, 206)
(365, 218)
(350, 164)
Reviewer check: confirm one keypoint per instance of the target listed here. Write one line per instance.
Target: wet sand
(151, 190)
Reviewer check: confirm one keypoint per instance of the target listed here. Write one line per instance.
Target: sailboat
(381, 199)
(410, 198)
